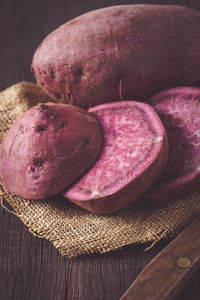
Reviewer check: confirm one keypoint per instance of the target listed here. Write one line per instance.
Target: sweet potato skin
(49, 147)
(124, 52)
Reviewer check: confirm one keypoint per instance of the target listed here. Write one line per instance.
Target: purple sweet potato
(48, 148)
(179, 110)
(120, 53)
(134, 153)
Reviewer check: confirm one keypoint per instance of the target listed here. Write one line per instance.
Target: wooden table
(32, 268)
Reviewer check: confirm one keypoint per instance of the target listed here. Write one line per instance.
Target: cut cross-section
(179, 110)
(134, 153)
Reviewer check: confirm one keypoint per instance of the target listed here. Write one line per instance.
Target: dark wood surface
(31, 268)
(171, 269)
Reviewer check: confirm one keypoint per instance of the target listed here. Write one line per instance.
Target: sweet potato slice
(48, 147)
(134, 153)
(179, 110)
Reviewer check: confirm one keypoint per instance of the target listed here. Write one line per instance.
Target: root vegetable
(125, 52)
(179, 110)
(134, 153)
(48, 148)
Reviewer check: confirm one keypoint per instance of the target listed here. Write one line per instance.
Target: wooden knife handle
(165, 276)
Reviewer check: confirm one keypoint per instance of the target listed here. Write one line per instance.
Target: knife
(166, 275)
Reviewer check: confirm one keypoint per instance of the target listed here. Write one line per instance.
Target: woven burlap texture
(74, 231)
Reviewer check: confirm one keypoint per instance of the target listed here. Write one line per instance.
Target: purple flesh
(179, 110)
(134, 142)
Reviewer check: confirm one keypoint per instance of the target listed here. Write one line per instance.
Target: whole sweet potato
(134, 153)
(124, 52)
(48, 148)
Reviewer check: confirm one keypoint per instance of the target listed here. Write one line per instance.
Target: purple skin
(179, 110)
(119, 53)
(134, 153)
(44, 150)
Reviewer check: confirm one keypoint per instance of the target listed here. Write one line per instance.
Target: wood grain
(167, 274)
(31, 268)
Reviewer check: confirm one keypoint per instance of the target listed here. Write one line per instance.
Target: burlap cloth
(74, 231)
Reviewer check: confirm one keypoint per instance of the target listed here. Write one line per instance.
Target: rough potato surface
(125, 52)
(48, 148)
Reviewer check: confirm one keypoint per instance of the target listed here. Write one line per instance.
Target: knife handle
(166, 275)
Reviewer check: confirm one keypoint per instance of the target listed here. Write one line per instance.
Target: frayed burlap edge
(74, 231)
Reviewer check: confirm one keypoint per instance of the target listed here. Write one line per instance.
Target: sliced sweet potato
(134, 153)
(179, 110)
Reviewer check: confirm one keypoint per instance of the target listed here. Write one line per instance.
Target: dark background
(31, 268)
